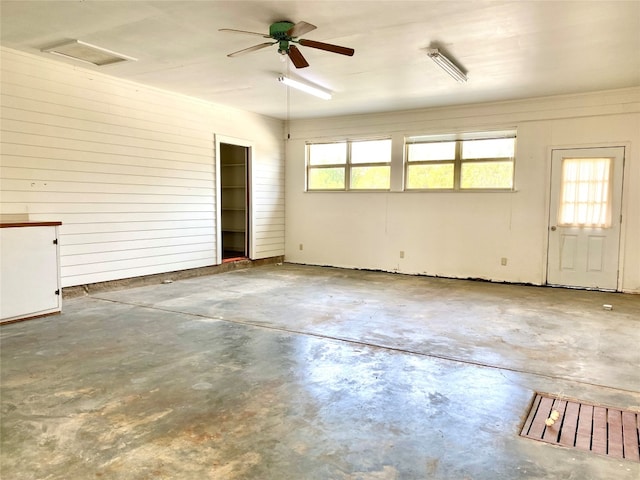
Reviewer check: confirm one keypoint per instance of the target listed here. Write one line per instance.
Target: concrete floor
(298, 372)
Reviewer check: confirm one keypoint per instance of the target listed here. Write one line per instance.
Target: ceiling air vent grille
(85, 52)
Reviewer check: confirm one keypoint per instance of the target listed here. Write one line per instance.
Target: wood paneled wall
(129, 170)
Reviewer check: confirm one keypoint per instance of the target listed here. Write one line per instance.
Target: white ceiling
(510, 49)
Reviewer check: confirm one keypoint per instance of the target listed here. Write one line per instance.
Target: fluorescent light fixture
(85, 52)
(305, 87)
(447, 65)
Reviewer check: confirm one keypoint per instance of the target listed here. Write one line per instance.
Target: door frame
(623, 204)
(249, 145)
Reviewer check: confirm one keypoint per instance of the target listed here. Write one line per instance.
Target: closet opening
(234, 201)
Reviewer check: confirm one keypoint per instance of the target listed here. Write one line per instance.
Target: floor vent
(604, 430)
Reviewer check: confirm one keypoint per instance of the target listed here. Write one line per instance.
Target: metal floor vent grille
(604, 430)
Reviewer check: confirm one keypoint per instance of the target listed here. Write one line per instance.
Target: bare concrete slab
(297, 372)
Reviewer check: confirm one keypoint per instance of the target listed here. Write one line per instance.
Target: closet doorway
(234, 201)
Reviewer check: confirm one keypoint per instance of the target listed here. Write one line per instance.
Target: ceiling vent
(85, 52)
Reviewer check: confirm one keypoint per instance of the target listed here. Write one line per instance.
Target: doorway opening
(234, 201)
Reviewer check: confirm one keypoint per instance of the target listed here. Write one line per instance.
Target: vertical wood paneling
(129, 170)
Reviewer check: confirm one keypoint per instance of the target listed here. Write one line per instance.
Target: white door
(584, 217)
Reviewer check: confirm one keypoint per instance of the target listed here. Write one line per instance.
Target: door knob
(553, 229)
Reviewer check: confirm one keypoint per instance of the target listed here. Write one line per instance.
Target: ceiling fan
(285, 34)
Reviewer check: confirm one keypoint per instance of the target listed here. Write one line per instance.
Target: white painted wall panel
(129, 170)
(268, 207)
(32, 127)
(117, 237)
(133, 227)
(102, 162)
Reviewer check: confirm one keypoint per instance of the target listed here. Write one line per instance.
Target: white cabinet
(29, 270)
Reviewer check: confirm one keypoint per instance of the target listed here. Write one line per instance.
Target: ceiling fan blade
(251, 49)
(297, 58)
(300, 28)
(243, 31)
(327, 46)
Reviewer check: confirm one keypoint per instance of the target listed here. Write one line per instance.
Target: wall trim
(168, 277)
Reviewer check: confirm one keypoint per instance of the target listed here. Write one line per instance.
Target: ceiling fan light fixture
(305, 87)
(85, 52)
(447, 65)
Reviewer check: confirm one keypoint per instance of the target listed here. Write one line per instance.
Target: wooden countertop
(29, 224)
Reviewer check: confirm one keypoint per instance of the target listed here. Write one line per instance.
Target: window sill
(426, 190)
(463, 190)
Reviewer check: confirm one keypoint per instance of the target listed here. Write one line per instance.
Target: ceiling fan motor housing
(278, 31)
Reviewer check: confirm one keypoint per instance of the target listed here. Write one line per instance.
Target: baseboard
(120, 284)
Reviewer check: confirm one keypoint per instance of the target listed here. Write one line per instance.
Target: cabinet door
(29, 273)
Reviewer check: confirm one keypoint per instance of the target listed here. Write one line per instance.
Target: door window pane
(585, 198)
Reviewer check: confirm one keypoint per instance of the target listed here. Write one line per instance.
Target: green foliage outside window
(430, 176)
(432, 163)
(326, 179)
(486, 175)
(485, 163)
(351, 165)
(365, 178)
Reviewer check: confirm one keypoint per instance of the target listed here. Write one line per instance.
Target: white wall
(128, 169)
(462, 234)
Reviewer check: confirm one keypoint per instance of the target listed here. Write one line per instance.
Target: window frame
(458, 161)
(347, 166)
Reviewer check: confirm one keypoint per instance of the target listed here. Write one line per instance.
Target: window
(586, 192)
(431, 165)
(349, 165)
(471, 162)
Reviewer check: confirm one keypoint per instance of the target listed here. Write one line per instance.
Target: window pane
(372, 151)
(430, 176)
(431, 151)
(370, 178)
(327, 153)
(492, 148)
(486, 175)
(585, 197)
(326, 178)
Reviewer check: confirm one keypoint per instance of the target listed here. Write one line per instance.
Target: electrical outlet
(503, 261)
(300, 247)
(401, 253)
